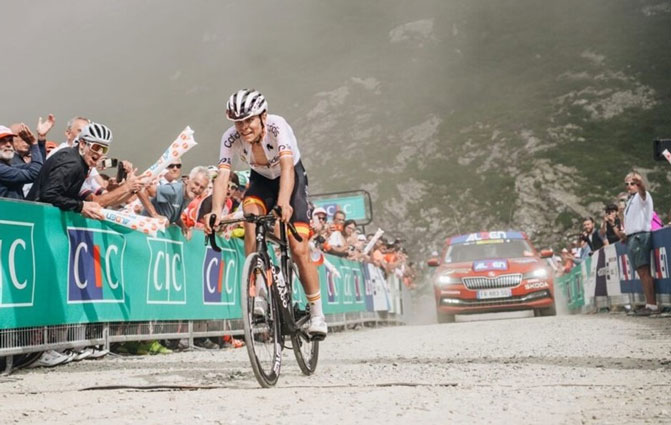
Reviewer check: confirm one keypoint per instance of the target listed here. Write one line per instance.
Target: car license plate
(494, 293)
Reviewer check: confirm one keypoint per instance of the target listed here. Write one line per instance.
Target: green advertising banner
(60, 268)
(355, 205)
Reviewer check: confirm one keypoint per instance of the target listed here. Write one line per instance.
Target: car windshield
(483, 250)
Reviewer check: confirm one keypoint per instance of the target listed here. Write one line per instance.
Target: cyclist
(267, 143)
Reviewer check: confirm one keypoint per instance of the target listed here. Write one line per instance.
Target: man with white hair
(172, 198)
(13, 175)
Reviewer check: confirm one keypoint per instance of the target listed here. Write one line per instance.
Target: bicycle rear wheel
(305, 350)
(307, 353)
(262, 327)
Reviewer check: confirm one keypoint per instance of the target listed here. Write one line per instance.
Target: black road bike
(270, 317)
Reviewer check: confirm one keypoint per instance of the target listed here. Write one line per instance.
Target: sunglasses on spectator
(321, 218)
(178, 166)
(232, 186)
(630, 184)
(98, 148)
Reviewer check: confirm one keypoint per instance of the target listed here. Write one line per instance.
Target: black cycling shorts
(263, 192)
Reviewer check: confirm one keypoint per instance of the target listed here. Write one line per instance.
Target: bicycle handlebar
(251, 218)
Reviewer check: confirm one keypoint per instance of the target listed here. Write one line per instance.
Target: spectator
(63, 174)
(590, 235)
(173, 172)
(50, 146)
(93, 183)
(205, 205)
(111, 193)
(377, 258)
(350, 233)
(14, 176)
(610, 222)
(336, 240)
(172, 198)
(638, 237)
(72, 130)
(568, 260)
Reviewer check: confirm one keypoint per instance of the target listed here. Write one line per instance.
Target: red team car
(492, 271)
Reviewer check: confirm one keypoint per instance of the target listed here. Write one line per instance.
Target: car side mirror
(433, 262)
(546, 253)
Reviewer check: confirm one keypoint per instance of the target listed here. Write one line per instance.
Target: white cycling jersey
(279, 141)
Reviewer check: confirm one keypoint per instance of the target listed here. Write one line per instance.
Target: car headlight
(536, 274)
(448, 280)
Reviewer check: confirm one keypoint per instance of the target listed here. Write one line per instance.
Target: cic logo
(95, 266)
(220, 274)
(17, 264)
(166, 275)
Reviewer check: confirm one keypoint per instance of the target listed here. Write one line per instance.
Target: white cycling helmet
(244, 104)
(96, 133)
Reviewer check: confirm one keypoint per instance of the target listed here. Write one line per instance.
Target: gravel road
(589, 369)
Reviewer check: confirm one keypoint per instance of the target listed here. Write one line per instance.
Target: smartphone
(108, 163)
(120, 172)
(659, 146)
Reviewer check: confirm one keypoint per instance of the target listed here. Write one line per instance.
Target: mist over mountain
(455, 116)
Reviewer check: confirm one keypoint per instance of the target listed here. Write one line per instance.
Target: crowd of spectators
(629, 219)
(79, 175)
(344, 238)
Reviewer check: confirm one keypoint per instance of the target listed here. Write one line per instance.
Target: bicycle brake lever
(212, 237)
(294, 232)
(290, 225)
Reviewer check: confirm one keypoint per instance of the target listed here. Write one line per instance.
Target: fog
(456, 116)
(149, 68)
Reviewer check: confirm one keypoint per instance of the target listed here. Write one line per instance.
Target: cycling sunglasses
(178, 166)
(98, 148)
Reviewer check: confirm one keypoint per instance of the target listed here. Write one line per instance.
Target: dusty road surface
(598, 369)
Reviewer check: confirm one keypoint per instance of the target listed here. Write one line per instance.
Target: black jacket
(61, 179)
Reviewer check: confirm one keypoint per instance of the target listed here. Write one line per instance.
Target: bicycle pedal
(317, 337)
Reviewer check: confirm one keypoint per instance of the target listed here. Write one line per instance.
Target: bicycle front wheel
(260, 318)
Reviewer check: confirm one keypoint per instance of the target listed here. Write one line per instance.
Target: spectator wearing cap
(610, 222)
(174, 172)
(64, 172)
(14, 175)
(319, 216)
(638, 237)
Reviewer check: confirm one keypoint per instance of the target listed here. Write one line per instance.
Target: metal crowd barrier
(74, 336)
(607, 280)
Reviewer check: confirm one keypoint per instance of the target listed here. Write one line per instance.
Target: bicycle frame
(263, 234)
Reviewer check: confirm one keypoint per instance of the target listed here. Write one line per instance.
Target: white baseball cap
(5, 131)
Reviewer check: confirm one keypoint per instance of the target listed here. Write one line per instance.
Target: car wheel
(445, 318)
